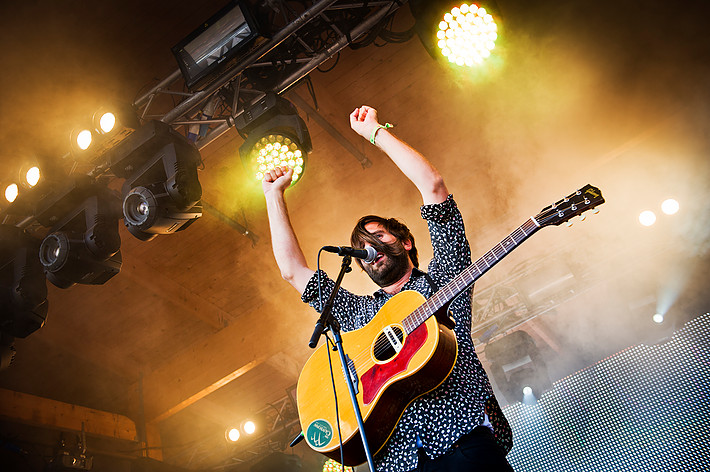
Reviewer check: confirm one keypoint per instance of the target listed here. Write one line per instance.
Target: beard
(392, 267)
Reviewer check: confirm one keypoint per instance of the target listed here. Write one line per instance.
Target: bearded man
(458, 426)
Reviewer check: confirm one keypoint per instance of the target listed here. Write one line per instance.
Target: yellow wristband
(379, 127)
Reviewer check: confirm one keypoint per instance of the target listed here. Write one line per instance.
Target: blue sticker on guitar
(319, 433)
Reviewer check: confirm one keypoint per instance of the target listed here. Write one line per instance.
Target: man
(459, 425)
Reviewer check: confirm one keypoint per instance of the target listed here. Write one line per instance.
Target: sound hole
(388, 343)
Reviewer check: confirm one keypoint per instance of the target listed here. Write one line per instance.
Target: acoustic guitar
(408, 349)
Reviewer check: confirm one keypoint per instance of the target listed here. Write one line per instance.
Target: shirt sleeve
(352, 311)
(452, 253)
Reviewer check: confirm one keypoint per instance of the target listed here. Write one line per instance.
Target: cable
(330, 343)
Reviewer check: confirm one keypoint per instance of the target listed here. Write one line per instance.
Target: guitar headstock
(574, 204)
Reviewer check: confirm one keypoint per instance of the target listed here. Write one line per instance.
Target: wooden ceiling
(198, 329)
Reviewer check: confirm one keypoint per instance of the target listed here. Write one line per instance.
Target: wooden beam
(209, 389)
(41, 411)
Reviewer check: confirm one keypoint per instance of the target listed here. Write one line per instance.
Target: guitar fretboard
(472, 273)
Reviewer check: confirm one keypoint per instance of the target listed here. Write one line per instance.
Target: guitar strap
(434, 287)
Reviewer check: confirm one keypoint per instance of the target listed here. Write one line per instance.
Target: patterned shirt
(441, 416)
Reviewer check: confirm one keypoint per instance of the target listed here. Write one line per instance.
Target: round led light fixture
(277, 150)
(467, 35)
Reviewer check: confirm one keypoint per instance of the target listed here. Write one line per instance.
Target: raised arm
(412, 164)
(287, 251)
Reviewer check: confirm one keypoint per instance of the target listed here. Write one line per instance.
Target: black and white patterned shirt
(458, 405)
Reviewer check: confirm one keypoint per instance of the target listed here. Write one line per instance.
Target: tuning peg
(569, 223)
(582, 217)
(595, 211)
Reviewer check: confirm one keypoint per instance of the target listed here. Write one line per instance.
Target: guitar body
(392, 369)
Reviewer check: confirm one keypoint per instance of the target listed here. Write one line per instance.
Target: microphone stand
(326, 321)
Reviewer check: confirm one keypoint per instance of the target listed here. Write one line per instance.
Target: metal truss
(282, 425)
(510, 303)
(313, 32)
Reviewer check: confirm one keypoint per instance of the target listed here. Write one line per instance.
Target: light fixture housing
(83, 244)
(23, 287)
(462, 33)
(96, 134)
(162, 192)
(216, 45)
(275, 136)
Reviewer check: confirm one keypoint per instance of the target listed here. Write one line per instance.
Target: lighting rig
(266, 49)
(236, 67)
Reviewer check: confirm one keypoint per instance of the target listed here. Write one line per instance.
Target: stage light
(275, 137)
(527, 390)
(276, 150)
(83, 246)
(108, 126)
(249, 427)
(647, 218)
(162, 192)
(82, 139)
(232, 434)
(11, 192)
(658, 318)
(670, 206)
(23, 288)
(216, 45)
(32, 176)
(462, 33)
(104, 121)
(467, 35)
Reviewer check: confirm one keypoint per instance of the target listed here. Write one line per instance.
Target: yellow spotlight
(249, 427)
(232, 434)
(276, 150)
(11, 192)
(647, 218)
(106, 122)
(472, 31)
(670, 206)
(32, 176)
(83, 139)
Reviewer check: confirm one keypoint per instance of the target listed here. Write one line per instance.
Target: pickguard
(374, 378)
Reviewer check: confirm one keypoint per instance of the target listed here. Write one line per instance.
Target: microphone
(369, 254)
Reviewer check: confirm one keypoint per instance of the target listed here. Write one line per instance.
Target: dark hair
(360, 236)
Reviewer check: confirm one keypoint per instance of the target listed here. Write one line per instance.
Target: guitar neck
(472, 273)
